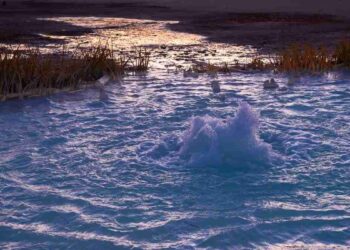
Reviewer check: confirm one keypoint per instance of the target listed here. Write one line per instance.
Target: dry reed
(304, 58)
(297, 58)
(29, 72)
(342, 53)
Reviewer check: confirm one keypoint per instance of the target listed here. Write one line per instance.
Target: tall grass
(300, 58)
(141, 61)
(256, 64)
(297, 58)
(28, 72)
(308, 58)
(342, 53)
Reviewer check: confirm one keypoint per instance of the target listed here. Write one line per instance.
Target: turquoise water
(159, 161)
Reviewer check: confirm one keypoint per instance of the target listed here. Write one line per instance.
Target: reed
(258, 63)
(29, 72)
(297, 58)
(342, 53)
(304, 58)
(141, 61)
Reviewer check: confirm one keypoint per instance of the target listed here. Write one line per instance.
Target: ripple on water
(162, 162)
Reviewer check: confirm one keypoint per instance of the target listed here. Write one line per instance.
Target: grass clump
(256, 64)
(300, 58)
(141, 61)
(308, 58)
(342, 53)
(297, 58)
(29, 72)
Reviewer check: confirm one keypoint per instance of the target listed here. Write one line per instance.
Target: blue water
(159, 161)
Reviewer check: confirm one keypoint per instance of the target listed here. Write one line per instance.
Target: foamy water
(211, 141)
(159, 161)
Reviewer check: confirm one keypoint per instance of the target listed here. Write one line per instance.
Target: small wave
(230, 142)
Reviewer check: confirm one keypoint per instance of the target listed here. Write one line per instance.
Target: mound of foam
(212, 141)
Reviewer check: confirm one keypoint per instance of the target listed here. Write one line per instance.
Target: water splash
(230, 142)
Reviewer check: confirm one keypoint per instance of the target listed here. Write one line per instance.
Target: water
(168, 48)
(159, 161)
(213, 142)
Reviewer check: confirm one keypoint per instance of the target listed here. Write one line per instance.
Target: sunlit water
(167, 48)
(159, 161)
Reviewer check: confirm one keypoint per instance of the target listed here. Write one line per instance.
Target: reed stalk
(28, 71)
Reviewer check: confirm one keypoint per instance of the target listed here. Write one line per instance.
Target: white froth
(213, 141)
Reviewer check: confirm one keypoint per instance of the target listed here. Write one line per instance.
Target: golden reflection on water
(126, 32)
(168, 48)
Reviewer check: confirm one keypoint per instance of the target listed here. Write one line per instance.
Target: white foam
(234, 141)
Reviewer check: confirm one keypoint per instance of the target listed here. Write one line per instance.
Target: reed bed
(256, 64)
(29, 72)
(297, 58)
(26, 72)
(307, 58)
(342, 53)
(259, 64)
(304, 58)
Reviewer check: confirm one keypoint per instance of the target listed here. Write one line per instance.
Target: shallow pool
(159, 161)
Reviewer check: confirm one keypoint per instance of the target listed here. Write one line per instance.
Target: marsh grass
(28, 72)
(308, 58)
(260, 64)
(141, 61)
(304, 58)
(256, 64)
(342, 53)
(297, 58)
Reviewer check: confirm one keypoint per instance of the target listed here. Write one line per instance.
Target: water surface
(129, 165)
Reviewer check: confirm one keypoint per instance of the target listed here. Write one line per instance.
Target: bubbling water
(229, 142)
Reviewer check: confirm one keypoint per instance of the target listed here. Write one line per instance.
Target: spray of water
(234, 141)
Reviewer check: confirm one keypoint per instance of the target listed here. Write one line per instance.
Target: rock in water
(270, 84)
(215, 85)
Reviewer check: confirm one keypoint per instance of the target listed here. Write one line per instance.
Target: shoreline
(185, 42)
